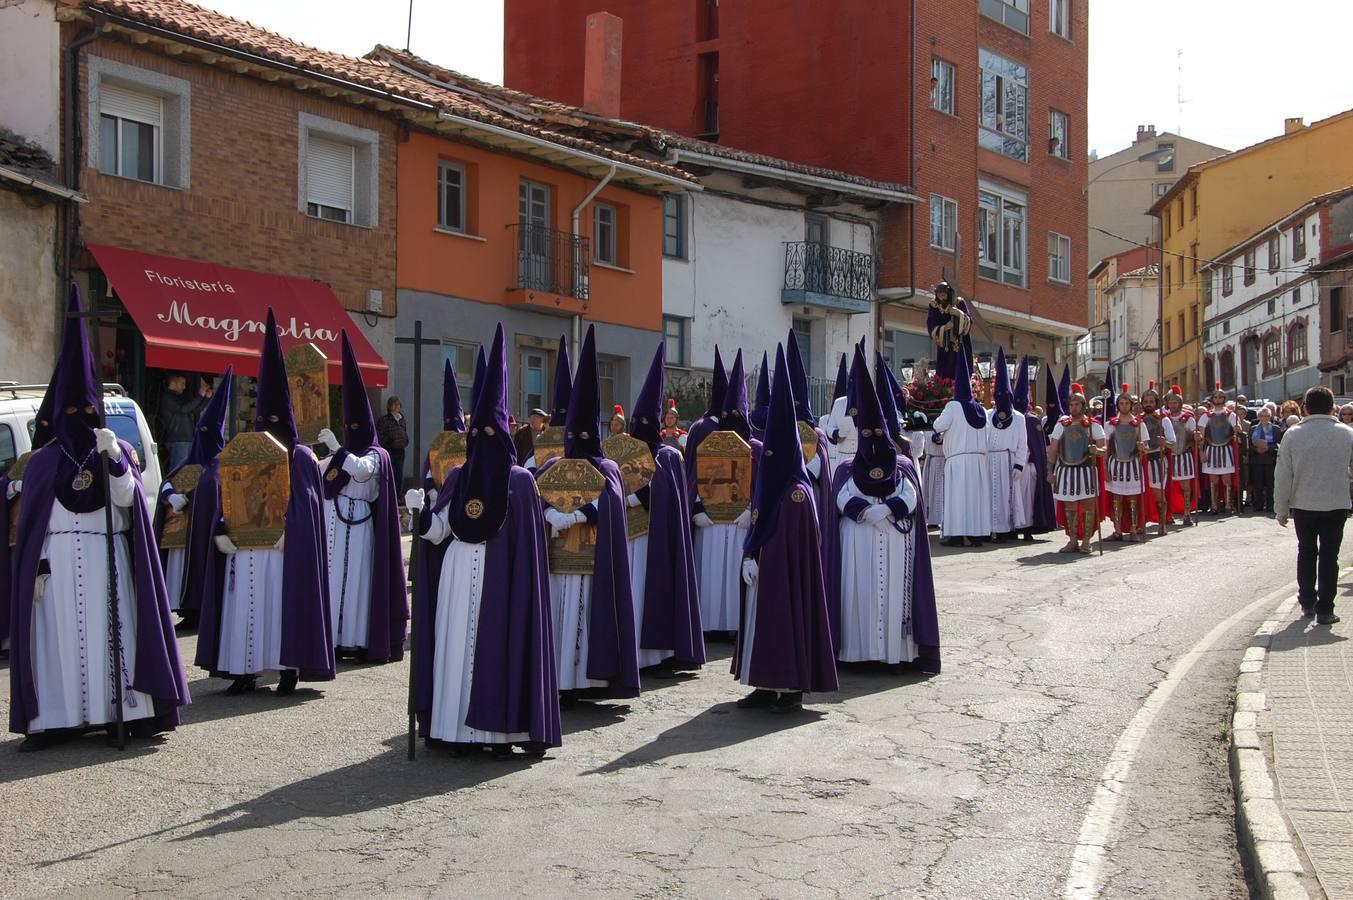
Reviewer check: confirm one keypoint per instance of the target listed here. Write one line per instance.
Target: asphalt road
(974, 783)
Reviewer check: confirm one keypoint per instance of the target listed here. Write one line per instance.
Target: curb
(1261, 828)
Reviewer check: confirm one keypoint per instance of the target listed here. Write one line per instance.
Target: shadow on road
(722, 725)
(210, 702)
(89, 749)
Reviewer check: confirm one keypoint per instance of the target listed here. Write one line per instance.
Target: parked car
(18, 419)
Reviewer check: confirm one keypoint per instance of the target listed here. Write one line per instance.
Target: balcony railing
(812, 268)
(549, 261)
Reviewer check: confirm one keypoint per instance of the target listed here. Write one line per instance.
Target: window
(533, 363)
(451, 197)
(1181, 270)
(1226, 327)
(129, 133)
(674, 340)
(608, 378)
(1193, 202)
(1249, 266)
(1169, 278)
(1228, 277)
(329, 180)
(1057, 134)
(1296, 296)
(1180, 214)
(1272, 307)
(461, 356)
(1228, 368)
(1005, 102)
(1296, 344)
(1273, 254)
(603, 235)
(943, 222)
(1059, 258)
(1165, 163)
(1182, 336)
(7, 451)
(1059, 18)
(1165, 221)
(1299, 242)
(1193, 260)
(1166, 336)
(1336, 315)
(1011, 13)
(339, 177)
(942, 86)
(1273, 354)
(803, 333)
(1162, 189)
(1193, 316)
(1001, 248)
(673, 228)
(1207, 288)
(816, 229)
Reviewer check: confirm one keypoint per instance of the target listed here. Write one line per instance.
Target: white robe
(71, 646)
(967, 482)
(932, 478)
(1008, 448)
(460, 592)
(251, 614)
(638, 553)
(842, 424)
(351, 549)
(876, 583)
(571, 613)
(718, 567)
(175, 567)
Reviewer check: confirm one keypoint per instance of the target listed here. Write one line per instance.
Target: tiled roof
(656, 140)
(189, 20)
(28, 159)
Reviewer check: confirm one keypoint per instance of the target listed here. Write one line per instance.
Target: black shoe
(998, 539)
(787, 702)
(1326, 618)
(1028, 536)
(286, 685)
(952, 542)
(243, 685)
(568, 699)
(42, 741)
(757, 698)
(1307, 611)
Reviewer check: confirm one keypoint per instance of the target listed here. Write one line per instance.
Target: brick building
(978, 106)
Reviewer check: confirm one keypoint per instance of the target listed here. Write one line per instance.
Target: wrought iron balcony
(832, 277)
(550, 262)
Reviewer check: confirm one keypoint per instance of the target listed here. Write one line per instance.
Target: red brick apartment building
(978, 105)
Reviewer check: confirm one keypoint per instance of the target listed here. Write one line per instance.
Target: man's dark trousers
(1319, 535)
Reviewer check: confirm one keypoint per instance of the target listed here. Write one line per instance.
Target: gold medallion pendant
(82, 480)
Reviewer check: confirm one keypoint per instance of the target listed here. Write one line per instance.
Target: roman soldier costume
(1124, 466)
(1074, 470)
(1160, 437)
(1217, 428)
(1183, 453)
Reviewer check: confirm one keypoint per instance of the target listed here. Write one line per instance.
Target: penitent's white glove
(744, 519)
(431, 498)
(178, 502)
(875, 514)
(40, 585)
(413, 499)
(559, 522)
(226, 545)
(106, 441)
(749, 571)
(14, 489)
(702, 520)
(329, 439)
(632, 500)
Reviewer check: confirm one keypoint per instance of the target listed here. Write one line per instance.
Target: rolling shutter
(115, 100)
(328, 173)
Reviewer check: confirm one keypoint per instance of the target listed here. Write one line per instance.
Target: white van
(18, 418)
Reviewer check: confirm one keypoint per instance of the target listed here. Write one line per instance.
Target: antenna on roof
(408, 35)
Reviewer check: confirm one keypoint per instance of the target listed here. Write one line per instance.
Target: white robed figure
(932, 476)
(1007, 454)
(967, 480)
(349, 524)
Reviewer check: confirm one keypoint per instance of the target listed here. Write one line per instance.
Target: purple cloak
(825, 498)
(388, 619)
(925, 624)
(6, 557)
(671, 592)
(307, 635)
(515, 684)
(612, 649)
(699, 430)
(945, 359)
(159, 672)
(1045, 510)
(792, 649)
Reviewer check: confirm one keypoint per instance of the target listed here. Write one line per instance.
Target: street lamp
(984, 365)
(908, 370)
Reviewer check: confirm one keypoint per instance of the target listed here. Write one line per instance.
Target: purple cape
(700, 429)
(197, 547)
(1045, 510)
(6, 557)
(307, 636)
(387, 621)
(515, 684)
(792, 649)
(824, 496)
(612, 648)
(159, 672)
(945, 359)
(671, 595)
(925, 626)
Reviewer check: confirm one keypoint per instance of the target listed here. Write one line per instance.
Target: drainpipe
(71, 151)
(577, 215)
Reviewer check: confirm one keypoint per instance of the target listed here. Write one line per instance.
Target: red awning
(201, 317)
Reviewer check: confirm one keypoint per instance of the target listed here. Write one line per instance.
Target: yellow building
(1216, 204)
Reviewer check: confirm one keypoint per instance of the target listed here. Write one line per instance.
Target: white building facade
(1261, 335)
(1134, 343)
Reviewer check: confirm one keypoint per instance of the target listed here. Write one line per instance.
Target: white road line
(1097, 828)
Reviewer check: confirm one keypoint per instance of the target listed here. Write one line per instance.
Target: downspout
(71, 151)
(577, 216)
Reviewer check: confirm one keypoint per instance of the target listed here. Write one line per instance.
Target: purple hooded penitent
(42, 433)
(1045, 510)
(453, 417)
(208, 440)
(514, 688)
(1001, 394)
(701, 427)
(153, 656)
(671, 619)
(563, 384)
(972, 410)
(480, 364)
(792, 647)
(388, 616)
(307, 641)
(1064, 391)
(761, 407)
(875, 465)
(842, 385)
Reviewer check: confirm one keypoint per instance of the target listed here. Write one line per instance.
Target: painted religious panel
(723, 475)
(446, 451)
(549, 444)
(255, 489)
(569, 485)
(308, 378)
(175, 534)
(636, 470)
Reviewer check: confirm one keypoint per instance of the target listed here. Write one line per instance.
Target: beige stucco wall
(30, 71)
(27, 289)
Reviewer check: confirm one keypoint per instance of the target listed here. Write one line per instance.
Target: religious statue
(949, 321)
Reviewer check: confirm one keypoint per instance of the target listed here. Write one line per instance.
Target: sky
(1246, 65)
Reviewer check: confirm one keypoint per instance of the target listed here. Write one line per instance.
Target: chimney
(1145, 133)
(601, 65)
(1291, 125)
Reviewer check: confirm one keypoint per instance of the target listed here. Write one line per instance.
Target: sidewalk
(1296, 692)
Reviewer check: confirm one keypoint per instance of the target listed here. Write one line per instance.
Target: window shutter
(115, 100)
(328, 173)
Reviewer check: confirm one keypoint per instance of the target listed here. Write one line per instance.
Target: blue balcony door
(533, 242)
(817, 238)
